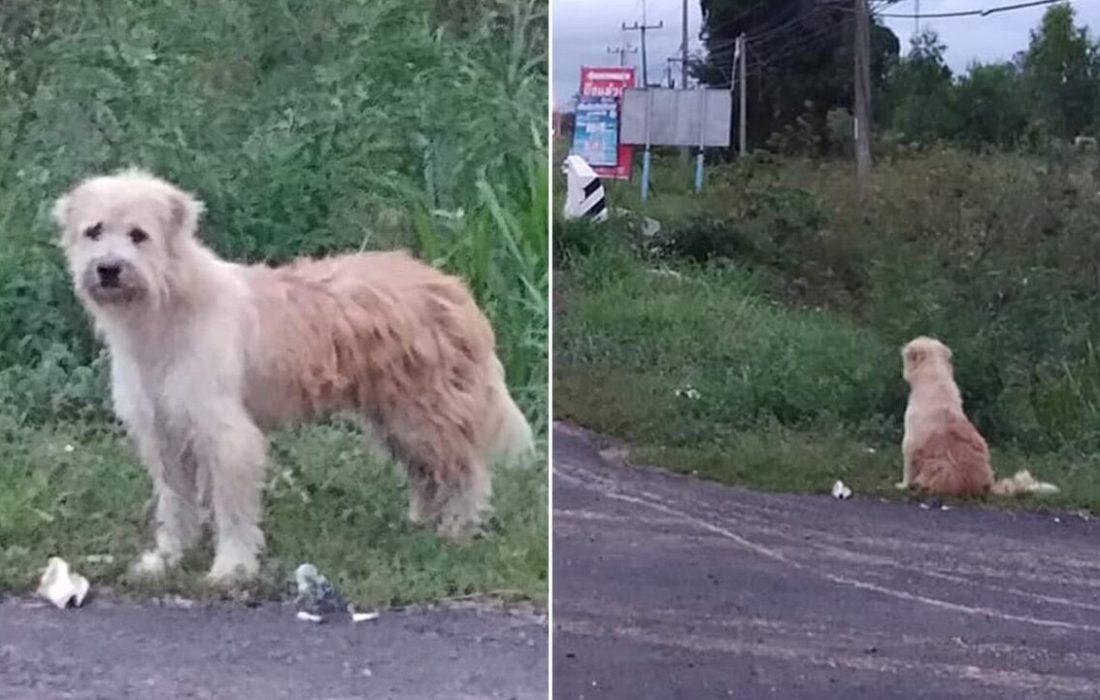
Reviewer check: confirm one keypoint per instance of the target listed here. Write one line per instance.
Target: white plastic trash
(841, 492)
(62, 586)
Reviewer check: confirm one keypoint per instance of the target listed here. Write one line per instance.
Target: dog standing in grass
(944, 453)
(207, 354)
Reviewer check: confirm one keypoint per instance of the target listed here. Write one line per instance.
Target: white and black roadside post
(584, 191)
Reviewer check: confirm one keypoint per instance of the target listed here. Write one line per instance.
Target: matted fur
(942, 450)
(207, 354)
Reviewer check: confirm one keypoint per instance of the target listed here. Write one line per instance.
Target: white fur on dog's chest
(168, 381)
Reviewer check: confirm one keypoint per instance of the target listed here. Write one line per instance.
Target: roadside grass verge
(330, 500)
(699, 371)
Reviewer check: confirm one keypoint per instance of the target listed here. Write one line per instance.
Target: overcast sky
(584, 29)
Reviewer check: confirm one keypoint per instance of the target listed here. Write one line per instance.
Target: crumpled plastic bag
(841, 492)
(317, 600)
(61, 585)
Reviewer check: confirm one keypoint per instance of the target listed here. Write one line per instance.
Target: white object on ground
(688, 392)
(363, 617)
(584, 192)
(309, 617)
(840, 491)
(314, 592)
(62, 586)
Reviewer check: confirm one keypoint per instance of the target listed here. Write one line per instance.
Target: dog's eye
(94, 232)
(138, 236)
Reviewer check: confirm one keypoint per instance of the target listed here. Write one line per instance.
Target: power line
(772, 55)
(732, 23)
(971, 13)
(781, 34)
(622, 50)
(643, 27)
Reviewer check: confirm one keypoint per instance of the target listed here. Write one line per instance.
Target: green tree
(920, 92)
(1062, 74)
(799, 60)
(991, 105)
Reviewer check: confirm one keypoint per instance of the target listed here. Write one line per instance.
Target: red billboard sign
(610, 82)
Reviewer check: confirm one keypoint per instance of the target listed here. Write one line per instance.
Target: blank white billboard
(676, 117)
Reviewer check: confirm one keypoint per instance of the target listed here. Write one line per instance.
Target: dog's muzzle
(111, 280)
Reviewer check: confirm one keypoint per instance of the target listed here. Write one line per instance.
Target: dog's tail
(511, 441)
(1022, 483)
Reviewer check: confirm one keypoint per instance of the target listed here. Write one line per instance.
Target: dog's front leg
(178, 511)
(231, 449)
(178, 514)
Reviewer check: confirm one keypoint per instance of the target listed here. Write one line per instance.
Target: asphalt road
(117, 651)
(665, 587)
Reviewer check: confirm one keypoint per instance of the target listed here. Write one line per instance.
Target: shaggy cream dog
(943, 451)
(207, 354)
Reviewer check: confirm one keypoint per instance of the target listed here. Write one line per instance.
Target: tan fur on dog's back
(943, 452)
(377, 332)
(953, 460)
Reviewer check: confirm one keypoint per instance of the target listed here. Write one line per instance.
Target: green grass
(307, 129)
(330, 500)
(788, 398)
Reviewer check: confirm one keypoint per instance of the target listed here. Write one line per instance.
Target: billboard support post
(646, 155)
(702, 141)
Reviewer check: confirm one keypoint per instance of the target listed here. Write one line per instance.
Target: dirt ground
(115, 650)
(665, 587)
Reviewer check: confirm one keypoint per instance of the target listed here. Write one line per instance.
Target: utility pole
(622, 51)
(643, 27)
(739, 56)
(862, 77)
(685, 153)
(684, 49)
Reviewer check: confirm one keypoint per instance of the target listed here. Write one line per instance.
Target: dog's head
(121, 234)
(924, 352)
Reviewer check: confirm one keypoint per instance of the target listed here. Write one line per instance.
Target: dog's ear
(946, 352)
(185, 211)
(914, 355)
(60, 211)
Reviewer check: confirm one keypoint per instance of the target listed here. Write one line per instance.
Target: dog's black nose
(108, 274)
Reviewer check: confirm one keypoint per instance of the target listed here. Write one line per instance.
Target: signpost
(608, 82)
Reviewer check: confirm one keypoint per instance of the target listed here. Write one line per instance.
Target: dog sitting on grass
(944, 453)
(207, 354)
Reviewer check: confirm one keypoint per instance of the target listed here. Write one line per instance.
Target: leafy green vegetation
(755, 339)
(800, 82)
(307, 128)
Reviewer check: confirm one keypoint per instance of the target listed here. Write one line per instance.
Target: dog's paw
(151, 564)
(460, 531)
(230, 570)
(901, 486)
